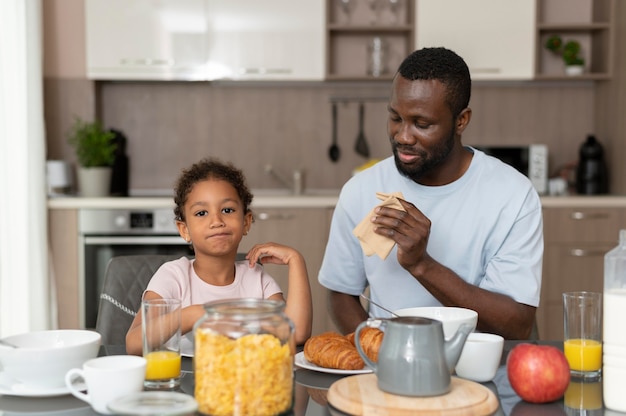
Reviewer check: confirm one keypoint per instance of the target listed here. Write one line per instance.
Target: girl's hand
(271, 253)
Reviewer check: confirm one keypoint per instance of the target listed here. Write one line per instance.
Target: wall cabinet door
(495, 37)
(266, 40)
(146, 39)
(205, 39)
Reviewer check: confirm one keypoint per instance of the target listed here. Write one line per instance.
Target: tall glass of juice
(582, 344)
(161, 321)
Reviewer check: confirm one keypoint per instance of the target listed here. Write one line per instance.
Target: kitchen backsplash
(170, 125)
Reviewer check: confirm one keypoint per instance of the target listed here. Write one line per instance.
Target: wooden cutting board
(359, 395)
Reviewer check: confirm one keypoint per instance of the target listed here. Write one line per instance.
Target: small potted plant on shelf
(95, 152)
(569, 52)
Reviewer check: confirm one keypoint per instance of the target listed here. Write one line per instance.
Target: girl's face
(215, 221)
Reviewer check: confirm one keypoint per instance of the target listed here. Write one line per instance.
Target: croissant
(331, 350)
(371, 338)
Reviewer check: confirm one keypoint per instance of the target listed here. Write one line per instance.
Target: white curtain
(24, 286)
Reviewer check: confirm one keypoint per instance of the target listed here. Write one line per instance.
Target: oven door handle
(135, 240)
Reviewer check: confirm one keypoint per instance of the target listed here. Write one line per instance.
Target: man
(470, 232)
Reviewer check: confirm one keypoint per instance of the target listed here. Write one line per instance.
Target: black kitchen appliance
(119, 175)
(591, 172)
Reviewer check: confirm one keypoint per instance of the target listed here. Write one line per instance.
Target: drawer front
(582, 225)
(573, 268)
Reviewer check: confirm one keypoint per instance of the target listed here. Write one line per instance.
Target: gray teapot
(414, 359)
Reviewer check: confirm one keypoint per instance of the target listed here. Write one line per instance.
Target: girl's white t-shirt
(177, 279)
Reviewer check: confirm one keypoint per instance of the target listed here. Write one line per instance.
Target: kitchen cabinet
(590, 22)
(266, 40)
(494, 37)
(63, 243)
(205, 39)
(305, 229)
(367, 40)
(146, 39)
(576, 240)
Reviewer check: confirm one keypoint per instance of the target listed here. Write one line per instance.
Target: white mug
(107, 378)
(480, 357)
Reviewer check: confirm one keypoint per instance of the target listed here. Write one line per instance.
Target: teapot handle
(371, 323)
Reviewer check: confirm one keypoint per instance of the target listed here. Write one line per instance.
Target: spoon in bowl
(395, 315)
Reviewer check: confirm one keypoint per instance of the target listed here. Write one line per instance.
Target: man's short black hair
(445, 66)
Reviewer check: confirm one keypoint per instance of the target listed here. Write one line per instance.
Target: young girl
(213, 214)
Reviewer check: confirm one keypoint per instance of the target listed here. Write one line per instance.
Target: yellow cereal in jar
(251, 375)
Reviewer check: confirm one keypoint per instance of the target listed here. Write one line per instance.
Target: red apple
(538, 373)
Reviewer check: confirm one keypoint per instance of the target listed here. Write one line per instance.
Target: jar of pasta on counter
(243, 359)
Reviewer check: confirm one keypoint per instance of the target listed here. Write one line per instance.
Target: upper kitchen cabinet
(590, 22)
(496, 38)
(205, 39)
(367, 40)
(146, 39)
(266, 40)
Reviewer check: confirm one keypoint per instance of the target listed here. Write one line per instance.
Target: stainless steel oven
(106, 233)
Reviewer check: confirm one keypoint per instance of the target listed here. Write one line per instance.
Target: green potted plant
(95, 152)
(570, 53)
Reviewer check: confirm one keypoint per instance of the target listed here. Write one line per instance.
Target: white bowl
(43, 357)
(450, 317)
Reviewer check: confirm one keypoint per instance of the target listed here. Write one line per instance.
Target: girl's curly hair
(209, 168)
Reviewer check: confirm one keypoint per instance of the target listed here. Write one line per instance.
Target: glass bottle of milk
(614, 332)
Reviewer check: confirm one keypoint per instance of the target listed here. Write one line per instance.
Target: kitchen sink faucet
(296, 184)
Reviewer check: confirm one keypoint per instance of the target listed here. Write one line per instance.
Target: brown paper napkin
(372, 243)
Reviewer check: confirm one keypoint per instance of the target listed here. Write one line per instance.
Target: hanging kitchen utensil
(334, 152)
(361, 146)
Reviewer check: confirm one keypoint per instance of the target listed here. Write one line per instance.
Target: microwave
(531, 160)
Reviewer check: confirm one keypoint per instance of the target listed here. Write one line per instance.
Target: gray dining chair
(125, 279)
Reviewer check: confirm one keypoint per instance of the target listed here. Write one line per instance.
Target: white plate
(303, 363)
(154, 403)
(9, 387)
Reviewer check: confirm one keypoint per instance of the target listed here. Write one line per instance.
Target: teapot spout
(454, 346)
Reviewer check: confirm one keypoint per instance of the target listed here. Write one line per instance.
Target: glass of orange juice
(160, 322)
(582, 345)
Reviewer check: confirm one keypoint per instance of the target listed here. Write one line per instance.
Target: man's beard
(426, 163)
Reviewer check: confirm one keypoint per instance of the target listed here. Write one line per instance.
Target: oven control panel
(127, 221)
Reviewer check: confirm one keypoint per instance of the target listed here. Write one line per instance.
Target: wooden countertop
(324, 200)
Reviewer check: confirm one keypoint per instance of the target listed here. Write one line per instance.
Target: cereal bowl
(450, 317)
(41, 358)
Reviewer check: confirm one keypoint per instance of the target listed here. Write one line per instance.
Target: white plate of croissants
(334, 353)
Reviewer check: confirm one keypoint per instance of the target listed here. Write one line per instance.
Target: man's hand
(410, 230)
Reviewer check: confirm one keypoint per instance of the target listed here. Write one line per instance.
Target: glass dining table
(311, 387)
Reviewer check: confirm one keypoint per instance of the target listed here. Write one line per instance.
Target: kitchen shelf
(338, 29)
(347, 42)
(588, 21)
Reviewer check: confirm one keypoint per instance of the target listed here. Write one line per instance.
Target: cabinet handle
(581, 252)
(262, 71)
(577, 215)
(146, 62)
(265, 216)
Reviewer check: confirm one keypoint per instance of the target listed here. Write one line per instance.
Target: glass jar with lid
(243, 359)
